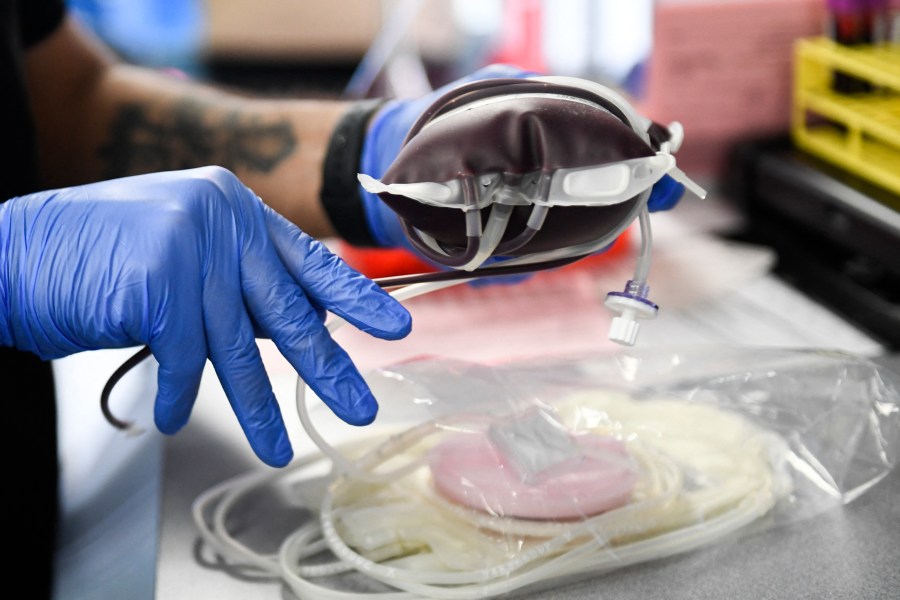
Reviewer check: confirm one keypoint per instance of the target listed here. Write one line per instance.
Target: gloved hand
(191, 263)
(665, 194)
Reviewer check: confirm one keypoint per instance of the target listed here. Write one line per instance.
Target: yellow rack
(859, 132)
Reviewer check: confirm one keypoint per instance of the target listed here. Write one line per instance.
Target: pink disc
(469, 470)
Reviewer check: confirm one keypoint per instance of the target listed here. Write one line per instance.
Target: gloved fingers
(332, 284)
(291, 321)
(261, 333)
(331, 374)
(180, 349)
(320, 310)
(238, 364)
(243, 377)
(665, 194)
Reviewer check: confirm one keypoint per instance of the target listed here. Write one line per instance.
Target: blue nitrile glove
(665, 194)
(190, 263)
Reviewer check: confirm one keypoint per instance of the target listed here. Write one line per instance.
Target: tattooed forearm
(141, 141)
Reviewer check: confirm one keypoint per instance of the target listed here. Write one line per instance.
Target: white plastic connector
(624, 328)
(692, 186)
(676, 136)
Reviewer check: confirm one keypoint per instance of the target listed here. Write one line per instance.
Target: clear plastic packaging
(482, 480)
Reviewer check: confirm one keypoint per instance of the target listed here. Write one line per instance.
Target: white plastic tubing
(390, 525)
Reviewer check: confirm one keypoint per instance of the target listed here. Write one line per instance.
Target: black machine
(837, 236)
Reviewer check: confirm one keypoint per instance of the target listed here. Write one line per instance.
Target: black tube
(113, 380)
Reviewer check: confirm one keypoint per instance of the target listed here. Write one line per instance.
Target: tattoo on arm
(185, 138)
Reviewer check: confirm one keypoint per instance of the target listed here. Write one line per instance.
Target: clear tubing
(642, 268)
(414, 581)
(214, 538)
(432, 250)
(291, 552)
(475, 236)
(418, 237)
(594, 557)
(525, 236)
(226, 502)
(473, 223)
(537, 217)
(428, 246)
(584, 249)
(587, 556)
(562, 536)
(478, 248)
(746, 510)
(566, 549)
(221, 499)
(591, 556)
(490, 238)
(688, 537)
(295, 548)
(363, 468)
(535, 222)
(342, 463)
(264, 562)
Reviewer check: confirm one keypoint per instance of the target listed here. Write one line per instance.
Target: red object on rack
(383, 262)
(388, 262)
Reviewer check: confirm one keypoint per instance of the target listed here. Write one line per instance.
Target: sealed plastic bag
(483, 480)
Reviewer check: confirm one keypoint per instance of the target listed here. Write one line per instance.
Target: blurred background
(722, 68)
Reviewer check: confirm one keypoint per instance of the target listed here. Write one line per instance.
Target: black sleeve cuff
(340, 188)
